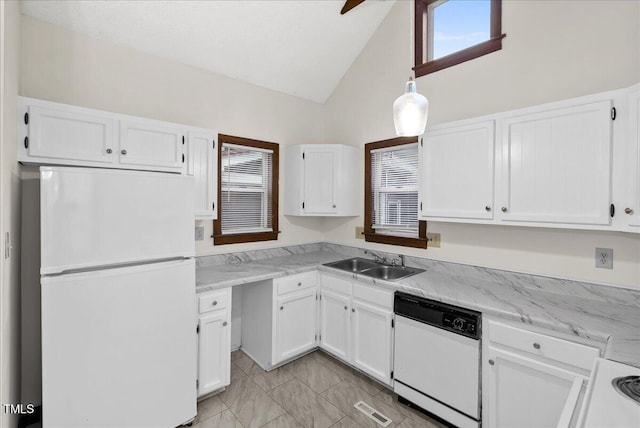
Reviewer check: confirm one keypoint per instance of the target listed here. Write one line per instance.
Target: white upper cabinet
(59, 134)
(457, 161)
(55, 133)
(631, 207)
(202, 163)
(556, 165)
(321, 180)
(149, 143)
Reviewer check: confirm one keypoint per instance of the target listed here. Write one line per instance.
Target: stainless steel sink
(374, 269)
(357, 264)
(390, 273)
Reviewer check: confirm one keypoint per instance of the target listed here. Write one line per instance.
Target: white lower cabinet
(356, 325)
(334, 323)
(279, 318)
(214, 341)
(531, 379)
(295, 330)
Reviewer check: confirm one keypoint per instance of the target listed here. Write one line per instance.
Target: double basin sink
(374, 269)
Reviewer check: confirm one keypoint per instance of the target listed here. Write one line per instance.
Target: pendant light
(410, 112)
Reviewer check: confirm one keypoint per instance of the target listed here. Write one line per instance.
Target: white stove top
(603, 405)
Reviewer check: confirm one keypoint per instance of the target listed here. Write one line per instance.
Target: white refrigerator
(117, 298)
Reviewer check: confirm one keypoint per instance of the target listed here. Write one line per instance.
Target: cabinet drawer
(296, 282)
(560, 350)
(214, 301)
(373, 295)
(339, 285)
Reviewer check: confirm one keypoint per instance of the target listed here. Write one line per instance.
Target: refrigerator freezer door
(118, 347)
(91, 218)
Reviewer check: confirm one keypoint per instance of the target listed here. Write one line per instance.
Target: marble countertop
(585, 314)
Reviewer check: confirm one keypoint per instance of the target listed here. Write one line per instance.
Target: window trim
(424, 67)
(237, 238)
(370, 234)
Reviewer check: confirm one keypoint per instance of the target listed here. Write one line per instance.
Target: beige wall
(9, 212)
(553, 50)
(67, 67)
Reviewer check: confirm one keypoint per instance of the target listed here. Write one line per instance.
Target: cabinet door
(632, 206)
(295, 330)
(371, 340)
(524, 392)
(556, 166)
(151, 145)
(202, 164)
(214, 354)
(334, 328)
(457, 171)
(74, 135)
(319, 180)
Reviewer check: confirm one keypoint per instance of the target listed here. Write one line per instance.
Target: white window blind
(394, 172)
(246, 179)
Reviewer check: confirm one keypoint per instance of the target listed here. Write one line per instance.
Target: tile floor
(315, 391)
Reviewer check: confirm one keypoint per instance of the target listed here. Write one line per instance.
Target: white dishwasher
(437, 358)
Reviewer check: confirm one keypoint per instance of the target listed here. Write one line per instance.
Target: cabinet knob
(299, 284)
(504, 209)
(334, 205)
(224, 324)
(214, 303)
(109, 151)
(345, 307)
(491, 362)
(124, 152)
(487, 208)
(628, 211)
(536, 345)
(281, 308)
(353, 309)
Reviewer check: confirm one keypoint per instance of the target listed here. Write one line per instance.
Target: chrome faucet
(377, 258)
(401, 256)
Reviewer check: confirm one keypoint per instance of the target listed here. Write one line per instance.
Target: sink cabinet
(357, 325)
(532, 379)
(321, 180)
(214, 341)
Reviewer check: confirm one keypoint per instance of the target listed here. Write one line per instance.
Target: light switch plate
(199, 233)
(359, 232)
(604, 258)
(433, 240)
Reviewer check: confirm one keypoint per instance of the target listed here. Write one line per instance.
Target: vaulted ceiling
(299, 47)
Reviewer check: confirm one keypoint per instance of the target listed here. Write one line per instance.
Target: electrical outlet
(199, 233)
(433, 240)
(604, 258)
(359, 232)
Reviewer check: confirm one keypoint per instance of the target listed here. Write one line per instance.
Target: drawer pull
(214, 303)
(109, 151)
(503, 209)
(487, 208)
(299, 284)
(536, 345)
(628, 211)
(124, 152)
(491, 362)
(224, 324)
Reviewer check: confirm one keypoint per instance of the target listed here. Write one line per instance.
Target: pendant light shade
(410, 112)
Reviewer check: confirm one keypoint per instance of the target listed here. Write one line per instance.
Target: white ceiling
(299, 47)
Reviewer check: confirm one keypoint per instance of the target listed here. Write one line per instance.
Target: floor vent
(372, 413)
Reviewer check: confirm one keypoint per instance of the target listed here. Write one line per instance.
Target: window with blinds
(246, 189)
(248, 171)
(394, 172)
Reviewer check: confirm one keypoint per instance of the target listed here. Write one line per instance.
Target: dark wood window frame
(423, 66)
(237, 238)
(370, 234)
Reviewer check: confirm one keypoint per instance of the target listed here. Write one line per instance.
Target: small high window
(248, 196)
(449, 32)
(391, 193)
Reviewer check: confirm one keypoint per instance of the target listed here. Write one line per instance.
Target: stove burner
(629, 386)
